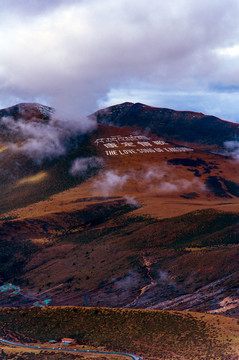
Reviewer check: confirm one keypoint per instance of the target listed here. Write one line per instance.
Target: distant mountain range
(186, 126)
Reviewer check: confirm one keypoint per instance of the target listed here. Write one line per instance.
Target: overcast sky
(81, 55)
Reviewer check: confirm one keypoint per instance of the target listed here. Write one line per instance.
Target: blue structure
(47, 301)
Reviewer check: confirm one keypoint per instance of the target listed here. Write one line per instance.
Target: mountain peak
(28, 111)
(186, 126)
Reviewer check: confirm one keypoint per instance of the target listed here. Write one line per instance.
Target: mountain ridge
(187, 126)
(28, 111)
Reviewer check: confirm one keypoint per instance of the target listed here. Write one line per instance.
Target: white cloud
(179, 185)
(155, 173)
(162, 180)
(71, 54)
(229, 51)
(132, 201)
(36, 140)
(159, 179)
(232, 149)
(81, 166)
(110, 181)
(42, 140)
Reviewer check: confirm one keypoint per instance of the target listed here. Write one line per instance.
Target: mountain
(28, 111)
(141, 212)
(186, 126)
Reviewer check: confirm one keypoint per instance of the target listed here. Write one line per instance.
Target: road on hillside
(132, 356)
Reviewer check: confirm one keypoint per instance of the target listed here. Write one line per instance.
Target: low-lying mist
(43, 140)
(232, 149)
(159, 178)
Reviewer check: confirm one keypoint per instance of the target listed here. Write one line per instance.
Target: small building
(68, 341)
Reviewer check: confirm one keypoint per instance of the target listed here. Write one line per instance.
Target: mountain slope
(127, 217)
(152, 335)
(190, 127)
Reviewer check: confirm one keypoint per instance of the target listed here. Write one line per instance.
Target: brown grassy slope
(179, 182)
(132, 261)
(165, 184)
(115, 263)
(18, 189)
(115, 259)
(152, 334)
(14, 354)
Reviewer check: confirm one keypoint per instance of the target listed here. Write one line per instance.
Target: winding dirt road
(132, 356)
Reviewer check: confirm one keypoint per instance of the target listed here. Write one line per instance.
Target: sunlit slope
(167, 178)
(153, 335)
(164, 178)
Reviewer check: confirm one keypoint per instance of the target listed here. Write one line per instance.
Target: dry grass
(33, 179)
(108, 258)
(226, 326)
(155, 202)
(154, 335)
(16, 353)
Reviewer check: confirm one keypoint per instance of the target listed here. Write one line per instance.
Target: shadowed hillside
(186, 262)
(184, 126)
